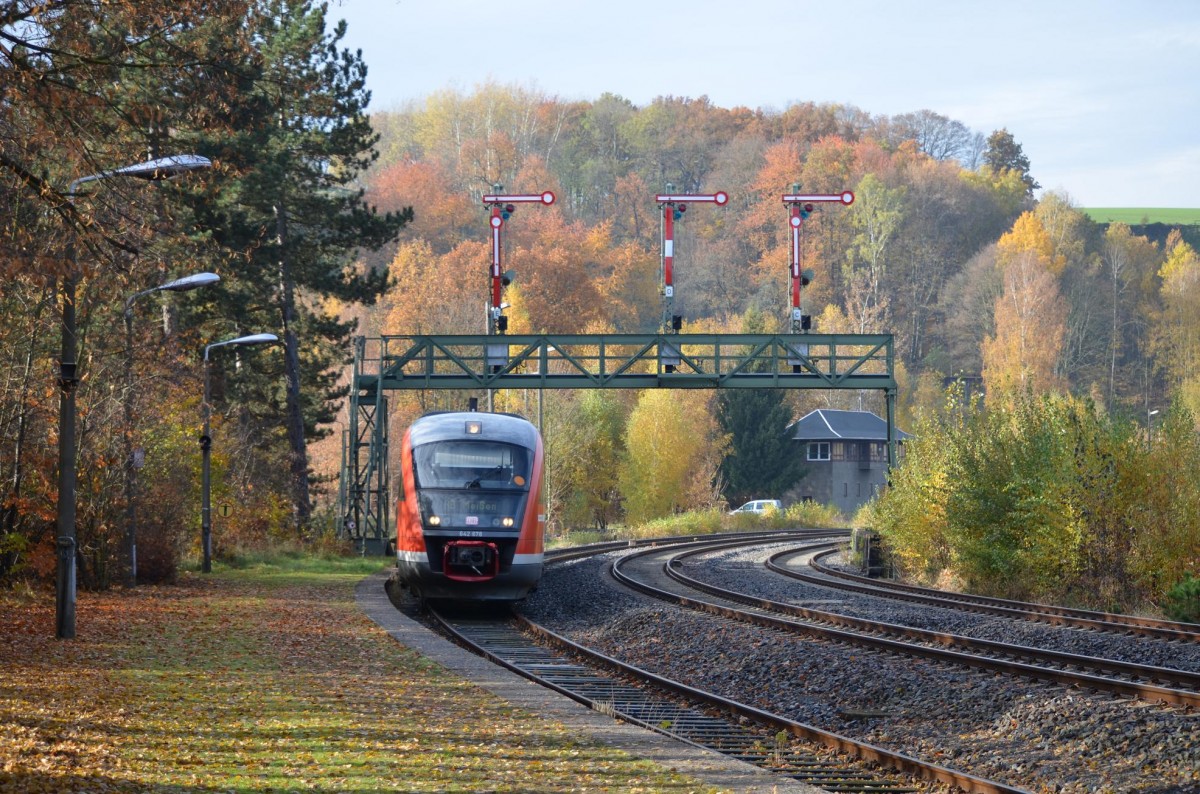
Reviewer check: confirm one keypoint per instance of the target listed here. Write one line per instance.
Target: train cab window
(471, 464)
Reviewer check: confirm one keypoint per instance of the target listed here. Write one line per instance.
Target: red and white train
(470, 520)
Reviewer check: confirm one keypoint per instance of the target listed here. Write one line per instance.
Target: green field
(1134, 216)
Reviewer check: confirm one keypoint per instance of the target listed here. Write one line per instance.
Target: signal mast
(673, 206)
(502, 206)
(801, 205)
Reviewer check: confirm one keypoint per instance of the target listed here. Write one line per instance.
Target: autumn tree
(1177, 326)
(670, 464)
(1127, 260)
(88, 89)
(876, 216)
(1029, 315)
(1005, 154)
(938, 136)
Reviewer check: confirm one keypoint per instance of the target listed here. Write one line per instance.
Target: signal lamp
(508, 277)
(502, 323)
(806, 276)
(510, 208)
(682, 207)
(676, 214)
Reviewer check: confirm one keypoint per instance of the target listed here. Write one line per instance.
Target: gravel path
(1040, 736)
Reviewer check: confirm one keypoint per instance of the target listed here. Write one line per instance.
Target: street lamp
(160, 168)
(132, 464)
(206, 447)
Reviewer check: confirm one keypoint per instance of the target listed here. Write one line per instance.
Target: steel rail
(768, 611)
(686, 726)
(1042, 613)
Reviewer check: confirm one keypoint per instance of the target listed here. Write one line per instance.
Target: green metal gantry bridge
(583, 361)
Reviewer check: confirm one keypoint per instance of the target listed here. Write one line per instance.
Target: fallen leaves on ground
(244, 682)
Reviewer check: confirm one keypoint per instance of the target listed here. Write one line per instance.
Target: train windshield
(485, 465)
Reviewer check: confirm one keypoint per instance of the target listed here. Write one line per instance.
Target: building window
(818, 450)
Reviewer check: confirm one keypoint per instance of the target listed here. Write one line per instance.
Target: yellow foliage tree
(1177, 327)
(673, 450)
(1030, 315)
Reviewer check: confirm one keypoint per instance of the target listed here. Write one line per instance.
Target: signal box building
(846, 457)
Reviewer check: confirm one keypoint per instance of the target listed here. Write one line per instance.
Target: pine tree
(1005, 154)
(762, 459)
(293, 215)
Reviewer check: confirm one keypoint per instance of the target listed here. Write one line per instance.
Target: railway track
(660, 573)
(782, 563)
(787, 747)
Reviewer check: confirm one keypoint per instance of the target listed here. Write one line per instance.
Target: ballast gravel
(1031, 734)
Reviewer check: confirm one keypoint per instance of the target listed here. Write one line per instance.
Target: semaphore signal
(673, 206)
(502, 207)
(801, 205)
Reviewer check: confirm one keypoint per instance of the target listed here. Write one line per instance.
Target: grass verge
(266, 678)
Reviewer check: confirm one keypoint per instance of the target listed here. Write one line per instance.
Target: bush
(1183, 600)
(695, 522)
(807, 515)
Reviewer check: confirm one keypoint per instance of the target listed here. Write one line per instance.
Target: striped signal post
(673, 206)
(502, 206)
(801, 205)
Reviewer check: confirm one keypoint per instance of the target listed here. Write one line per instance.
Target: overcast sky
(1104, 96)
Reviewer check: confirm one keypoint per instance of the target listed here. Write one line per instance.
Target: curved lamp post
(132, 464)
(206, 447)
(160, 168)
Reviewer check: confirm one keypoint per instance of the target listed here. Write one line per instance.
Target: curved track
(1015, 610)
(660, 573)
(666, 706)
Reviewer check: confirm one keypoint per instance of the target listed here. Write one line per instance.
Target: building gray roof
(826, 424)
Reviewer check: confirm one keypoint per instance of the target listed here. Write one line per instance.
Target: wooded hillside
(944, 246)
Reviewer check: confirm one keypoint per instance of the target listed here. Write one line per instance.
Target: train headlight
(506, 521)
(435, 521)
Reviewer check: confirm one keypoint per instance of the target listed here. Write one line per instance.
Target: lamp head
(164, 167)
(190, 282)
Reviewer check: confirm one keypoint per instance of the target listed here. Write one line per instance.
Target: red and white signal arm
(720, 198)
(545, 197)
(845, 197)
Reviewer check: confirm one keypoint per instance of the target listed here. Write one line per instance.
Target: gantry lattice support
(583, 361)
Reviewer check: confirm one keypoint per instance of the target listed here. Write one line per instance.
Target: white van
(758, 506)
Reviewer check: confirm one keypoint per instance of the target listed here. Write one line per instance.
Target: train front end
(470, 522)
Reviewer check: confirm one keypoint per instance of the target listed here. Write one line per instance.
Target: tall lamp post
(152, 170)
(206, 447)
(184, 284)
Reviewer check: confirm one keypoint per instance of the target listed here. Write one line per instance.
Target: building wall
(845, 484)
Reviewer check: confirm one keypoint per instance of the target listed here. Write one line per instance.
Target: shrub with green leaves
(1183, 600)
(1047, 498)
